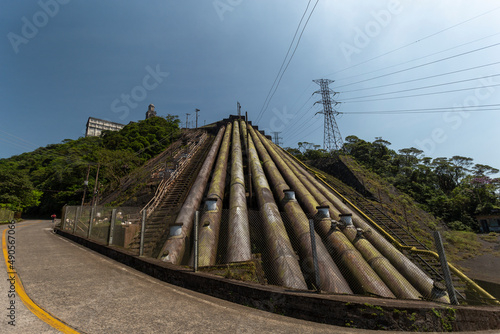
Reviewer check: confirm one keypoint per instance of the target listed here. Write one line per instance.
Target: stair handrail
(165, 183)
(412, 249)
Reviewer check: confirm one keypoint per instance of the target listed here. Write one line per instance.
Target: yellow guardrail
(396, 243)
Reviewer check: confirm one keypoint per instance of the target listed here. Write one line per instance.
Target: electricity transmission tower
(332, 140)
(277, 138)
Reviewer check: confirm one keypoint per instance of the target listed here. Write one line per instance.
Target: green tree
(16, 190)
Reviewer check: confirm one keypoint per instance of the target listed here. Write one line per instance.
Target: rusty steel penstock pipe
(285, 268)
(174, 248)
(398, 285)
(330, 277)
(414, 275)
(355, 266)
(210, 221)
(239, 247)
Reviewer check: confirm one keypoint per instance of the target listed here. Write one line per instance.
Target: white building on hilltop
(95, 126)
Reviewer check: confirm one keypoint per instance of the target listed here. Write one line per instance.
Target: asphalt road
(93, 294)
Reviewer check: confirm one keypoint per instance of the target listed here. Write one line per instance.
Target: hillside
(382, 194)
(42, 181)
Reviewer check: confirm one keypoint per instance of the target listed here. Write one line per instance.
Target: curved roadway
(93, 294)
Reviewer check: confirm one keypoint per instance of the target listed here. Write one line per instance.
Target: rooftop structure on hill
(151, 111)
(95, 126)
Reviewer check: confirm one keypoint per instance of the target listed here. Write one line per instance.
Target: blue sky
(63, 61)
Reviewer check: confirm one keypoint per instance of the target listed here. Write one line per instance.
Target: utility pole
(277, 138)
(197, 117)
(85, 186)
(95, 185)
(332, 140)
(187, 119)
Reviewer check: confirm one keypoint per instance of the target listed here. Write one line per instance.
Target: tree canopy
(454, 189)
(42, 181)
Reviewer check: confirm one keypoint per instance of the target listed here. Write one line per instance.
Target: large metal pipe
(330, 277)
(389, 275)
(174, 248)
(283, 261)
(418, 279)
(364, 277)
(239, 247)
(210, 220)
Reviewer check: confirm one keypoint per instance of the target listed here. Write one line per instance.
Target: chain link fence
(274, 249)
(6, 215)
(112, 226)
(283, 253)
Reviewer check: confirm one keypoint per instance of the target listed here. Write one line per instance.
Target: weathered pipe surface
(174, 248)
(285, 265)
(209, 225)
(244, 134)
(387, 274)
(330, 277)
(239, 247)
(364, 277)
(394, 280)
(418, 279)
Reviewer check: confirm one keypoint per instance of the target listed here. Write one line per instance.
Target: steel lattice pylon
(332, 140)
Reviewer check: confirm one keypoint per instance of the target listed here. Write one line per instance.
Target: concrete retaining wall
(341, 310)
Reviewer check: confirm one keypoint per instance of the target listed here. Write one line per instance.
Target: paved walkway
(93, 294)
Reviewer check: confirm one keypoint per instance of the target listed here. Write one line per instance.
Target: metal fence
(112, 226)
(284, 252)
(6, 215)
(278, 250)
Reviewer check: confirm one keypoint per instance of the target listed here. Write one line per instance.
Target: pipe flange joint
(346, 218)
(323, 212)
(211, 204)
(289, 194)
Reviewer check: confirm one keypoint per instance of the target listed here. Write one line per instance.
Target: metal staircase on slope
(399, 232)
(157, 224)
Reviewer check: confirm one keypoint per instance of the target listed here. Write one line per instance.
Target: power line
(19, 145)
(301, 124)
(486, 107)
(419, 40)
(314, 131)
(284, 59)
(424, 87)
(305, 128)
(296, 46)
(297, 121)
(427, 77)
(289, 60)
(415, 59)
(421, 65)
(434, 93)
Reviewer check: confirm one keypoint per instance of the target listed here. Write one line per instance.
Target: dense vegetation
(453, 189)
(42, 181)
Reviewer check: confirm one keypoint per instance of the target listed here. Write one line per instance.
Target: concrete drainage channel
(335, 309)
